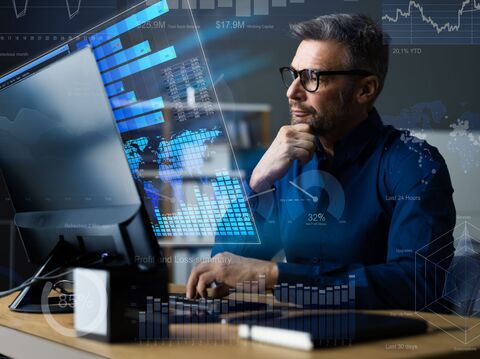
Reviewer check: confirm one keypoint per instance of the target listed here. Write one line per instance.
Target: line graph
(23, 12)
(71, 14)
(20, 8)
(432, 22)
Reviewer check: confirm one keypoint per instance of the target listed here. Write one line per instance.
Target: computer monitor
(67, 175)
(166, 108)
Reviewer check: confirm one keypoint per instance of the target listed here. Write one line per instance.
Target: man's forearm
(259, 183)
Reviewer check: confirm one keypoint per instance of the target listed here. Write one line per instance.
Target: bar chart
(152, 78)
(161, 93)
(118, 61)
(327, 313)
(153, 323)
(243, 8)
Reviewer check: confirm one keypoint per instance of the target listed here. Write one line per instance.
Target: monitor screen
(164, 102)
(59, 148)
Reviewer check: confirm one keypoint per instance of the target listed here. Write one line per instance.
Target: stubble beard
(324, 121)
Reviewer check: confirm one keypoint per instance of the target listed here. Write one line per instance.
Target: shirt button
(315, 259)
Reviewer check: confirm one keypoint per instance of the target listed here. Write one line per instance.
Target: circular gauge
(317, 196)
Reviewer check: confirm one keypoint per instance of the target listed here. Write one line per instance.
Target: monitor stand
(30, 298)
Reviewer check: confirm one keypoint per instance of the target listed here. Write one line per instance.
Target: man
(387, 196)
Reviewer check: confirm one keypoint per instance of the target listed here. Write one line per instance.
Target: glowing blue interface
(157, 80)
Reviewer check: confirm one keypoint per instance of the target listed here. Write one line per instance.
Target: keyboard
(182, 304)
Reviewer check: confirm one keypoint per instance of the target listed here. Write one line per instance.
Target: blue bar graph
(291, 293)
(149, 318)
(306, 296)
(129, 23)
(164, 321)
(284, 293)
(299, 288)
(123, 99)
(107, 49)
(334, 328)
(121, 57)
(322, 297)
(141, 122)
(243, 7)
(329, 296)
(115, 88)
(315, 302)
(260, 7)
(276, 290)
(139, 108)
(344, 294)
(207, 4)
(157, 312)
(225, 3)
(351, 287)
(81, 44)
(139, 65)
(142, 332)
(336, 295)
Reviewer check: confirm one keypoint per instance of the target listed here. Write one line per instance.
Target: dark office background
(423, 78)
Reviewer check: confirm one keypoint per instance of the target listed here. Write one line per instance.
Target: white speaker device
(107, 302)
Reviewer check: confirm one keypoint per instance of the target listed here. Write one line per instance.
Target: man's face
(329, 107)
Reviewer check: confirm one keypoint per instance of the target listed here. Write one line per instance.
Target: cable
(31, 281)
(45, 277)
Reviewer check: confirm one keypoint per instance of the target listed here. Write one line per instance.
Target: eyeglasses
(310, 79)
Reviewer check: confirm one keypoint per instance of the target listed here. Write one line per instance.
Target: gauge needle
(262, 193)
(314, 198)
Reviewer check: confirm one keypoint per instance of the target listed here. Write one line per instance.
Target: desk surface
(444, 339)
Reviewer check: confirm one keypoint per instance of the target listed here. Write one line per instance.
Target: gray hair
(367, 44)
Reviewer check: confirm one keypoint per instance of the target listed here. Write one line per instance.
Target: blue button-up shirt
(382, 210)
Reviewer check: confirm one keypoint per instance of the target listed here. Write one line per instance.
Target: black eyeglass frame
(318, 73)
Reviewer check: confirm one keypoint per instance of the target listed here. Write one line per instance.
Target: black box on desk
(108, 303)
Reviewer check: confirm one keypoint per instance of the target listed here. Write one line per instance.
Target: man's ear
(367, 89)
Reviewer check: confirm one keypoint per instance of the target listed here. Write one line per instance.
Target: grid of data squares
(237, 220)
(184, 152)
(225, 215)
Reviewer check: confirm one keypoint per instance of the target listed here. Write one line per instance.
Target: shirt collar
(355, 142)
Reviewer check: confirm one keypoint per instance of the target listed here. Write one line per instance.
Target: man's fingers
(306, 145)
(204, 282)
(220, 291)
(305, 137)
(193, 279)
(192, 284)
(298, 132)
(293, 131)
(302, 127)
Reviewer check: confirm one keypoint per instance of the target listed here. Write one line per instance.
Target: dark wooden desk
(437, 343)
